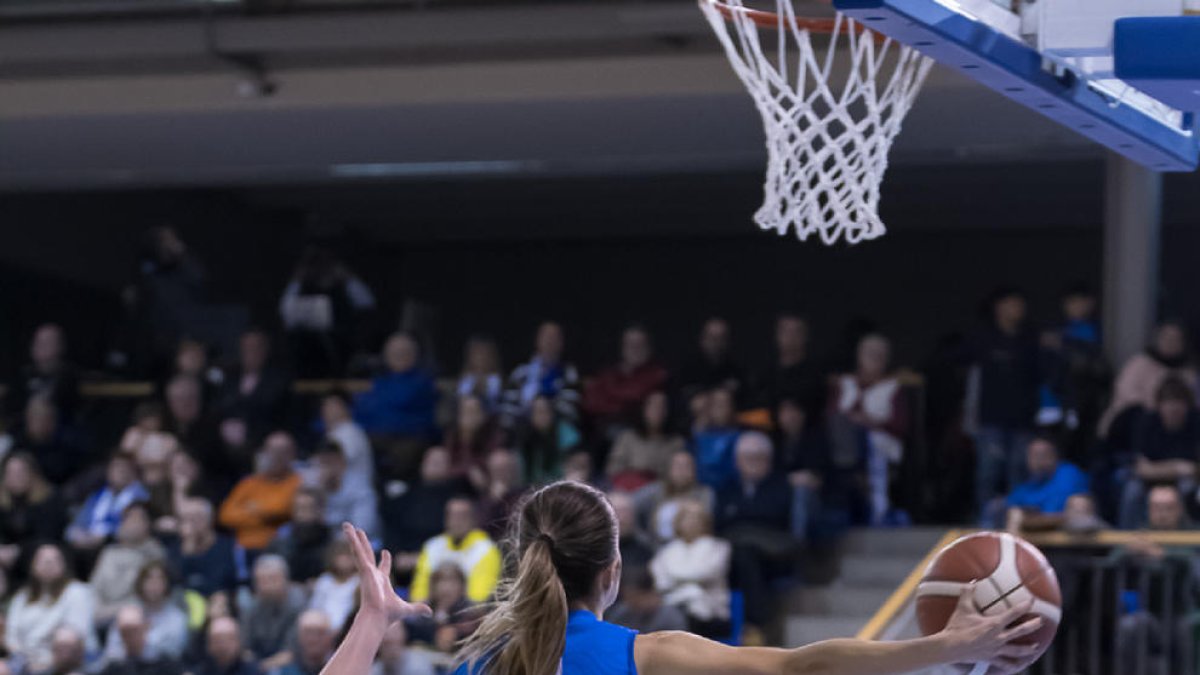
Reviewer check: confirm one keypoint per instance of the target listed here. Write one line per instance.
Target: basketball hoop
(830, 118)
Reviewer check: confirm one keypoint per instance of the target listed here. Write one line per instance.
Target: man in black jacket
(753, 514)
(413, 513)
(1002, 397)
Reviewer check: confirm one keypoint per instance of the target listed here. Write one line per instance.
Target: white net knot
(830, 119)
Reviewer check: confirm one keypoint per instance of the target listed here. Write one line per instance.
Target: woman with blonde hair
(692, 571)
(548, 617)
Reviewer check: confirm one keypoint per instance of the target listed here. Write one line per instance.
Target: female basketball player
(566, 575)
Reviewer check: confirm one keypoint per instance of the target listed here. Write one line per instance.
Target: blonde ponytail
(526, 631)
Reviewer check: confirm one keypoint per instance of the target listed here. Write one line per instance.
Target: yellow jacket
(476, 555)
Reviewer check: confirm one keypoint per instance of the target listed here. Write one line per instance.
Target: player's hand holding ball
(997, 596)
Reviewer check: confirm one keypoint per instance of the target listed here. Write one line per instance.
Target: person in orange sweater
(261, 502)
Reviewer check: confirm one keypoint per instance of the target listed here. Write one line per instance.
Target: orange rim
(770, 20)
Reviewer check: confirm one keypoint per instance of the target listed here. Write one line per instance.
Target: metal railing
(1123, 613)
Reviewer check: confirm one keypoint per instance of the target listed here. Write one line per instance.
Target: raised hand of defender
(989, 639)
(375, 581)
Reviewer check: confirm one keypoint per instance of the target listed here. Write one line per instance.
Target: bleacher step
(908, 541)
(839, 599)
(875, 571)
(803, 630)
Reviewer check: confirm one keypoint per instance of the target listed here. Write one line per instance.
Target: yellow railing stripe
(874, 628)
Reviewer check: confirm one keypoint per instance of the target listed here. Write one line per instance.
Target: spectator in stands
(224, 654)
(60, 452)
(452, 618)
(167, 623)
(472, 438)
(153, 454)
(659, 502)
(794, 375)
(643, 452)
(325, 309)
(1079, 374)
(261, 502)
(636, 545)
(413, 513)
(219, 605)
(253, 400)
(336, 590)
(149, 417)
(1080, 515)
(641, 607)
(546, 374)
(692, 572)
(1166, 449)
(203, 557)
(501, 493)
(314, 644)
(138, 657)
(398, 410)
(185, 480)
(196, 432)
(753, 514)
(67, 653)
(465, 545)
(29, 511)
(803, 456)
(713, 443)
(579, 467)
(171, 288)
(48, 375)
(338, 418)
(1142, 626)
(1137, 384)
(544, 439)
(192, 360)
(101, 513)
(713, 365)
(1002, 397)
(303, 540)
(870, 400)
(1039, 502)
(272, 612)
(50, 599)
(395, 658)
(114, 577)
(615, 393)
(346, 501)
(481, 375)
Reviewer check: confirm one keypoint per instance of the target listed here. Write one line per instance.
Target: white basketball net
(830, 119)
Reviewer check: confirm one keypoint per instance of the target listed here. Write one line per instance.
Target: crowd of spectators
(204, 539)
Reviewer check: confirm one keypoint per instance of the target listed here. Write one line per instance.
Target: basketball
(1007, 570)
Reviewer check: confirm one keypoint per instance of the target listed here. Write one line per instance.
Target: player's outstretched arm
(969, 637)
(378, 607)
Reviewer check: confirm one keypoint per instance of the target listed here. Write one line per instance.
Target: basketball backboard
(1124, 73)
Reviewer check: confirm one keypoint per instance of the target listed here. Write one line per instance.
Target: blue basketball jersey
(593, 648)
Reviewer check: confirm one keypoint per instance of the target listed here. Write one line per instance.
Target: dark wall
(500, 256)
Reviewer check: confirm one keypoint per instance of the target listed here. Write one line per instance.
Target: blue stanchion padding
(1160, 56)
(737, 618)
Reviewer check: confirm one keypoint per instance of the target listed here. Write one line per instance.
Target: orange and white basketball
(1007, 570)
